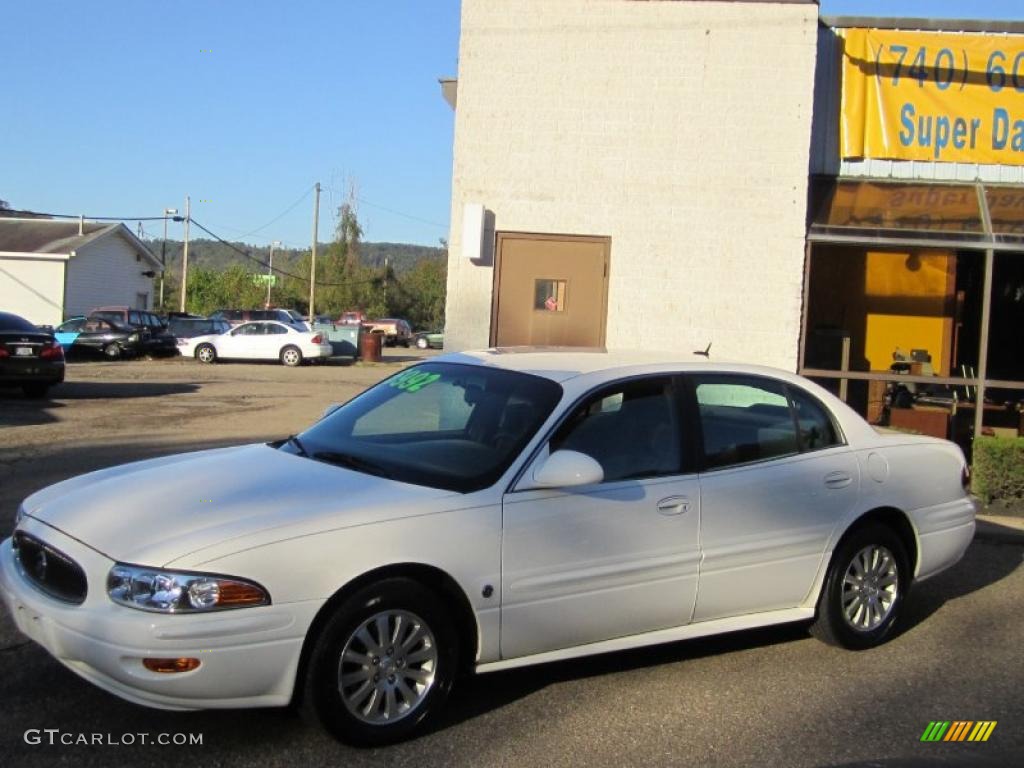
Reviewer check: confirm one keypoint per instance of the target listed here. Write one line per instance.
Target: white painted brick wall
(679, 129)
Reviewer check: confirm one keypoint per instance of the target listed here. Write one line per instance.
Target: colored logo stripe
(958, 730)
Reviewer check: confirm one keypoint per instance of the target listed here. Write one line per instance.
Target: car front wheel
(863, 594)
(205, 353)
(112, 351)
(422, 343)
(383, 665)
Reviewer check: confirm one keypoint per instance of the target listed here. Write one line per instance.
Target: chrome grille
(50, 570)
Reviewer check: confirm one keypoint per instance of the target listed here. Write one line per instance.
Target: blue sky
(122, 108)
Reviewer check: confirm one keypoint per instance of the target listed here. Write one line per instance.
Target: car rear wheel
(383, 665)
(422, 343)
(205, 353)
(863, 594)
(112, 351)
(291, 356)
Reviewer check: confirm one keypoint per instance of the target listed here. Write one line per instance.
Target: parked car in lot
(484, 511)
(91, 335)
(396, 331)
(152, 330)
(190, 332)
(264, 340)
(29, 358)
(239, 316)
(430, 339)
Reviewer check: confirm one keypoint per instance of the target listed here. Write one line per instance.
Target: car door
(275, 340)
(776, 478)
(238, 344)
(611, 559)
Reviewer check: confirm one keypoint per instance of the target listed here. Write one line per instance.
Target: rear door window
(743, 420)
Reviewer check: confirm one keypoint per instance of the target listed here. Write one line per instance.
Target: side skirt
(686, 632)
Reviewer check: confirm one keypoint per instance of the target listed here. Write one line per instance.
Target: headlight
(153, 589)
(133, 338)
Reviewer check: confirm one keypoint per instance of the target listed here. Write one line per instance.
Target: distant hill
(211, 254)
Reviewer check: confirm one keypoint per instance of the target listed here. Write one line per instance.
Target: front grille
(50, 570)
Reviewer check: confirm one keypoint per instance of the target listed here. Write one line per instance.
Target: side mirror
(567, 469)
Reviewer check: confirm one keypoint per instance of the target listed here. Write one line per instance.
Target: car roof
(563, 363)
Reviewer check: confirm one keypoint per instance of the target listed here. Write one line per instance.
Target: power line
(90, 218)
(281, 215)
(404, 215)
(262, 263)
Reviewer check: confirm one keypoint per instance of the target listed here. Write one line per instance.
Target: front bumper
(249, 657)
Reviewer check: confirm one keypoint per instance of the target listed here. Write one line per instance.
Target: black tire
(35, 391)
(832, 623)
(291, 356)
(206, 353)
(323, 688)
(112, 351)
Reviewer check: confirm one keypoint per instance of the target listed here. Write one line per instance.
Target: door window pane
(631, 429)
(816, 428)
(549, 295)
(744, 420)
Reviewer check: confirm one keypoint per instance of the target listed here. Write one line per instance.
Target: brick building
(842, 197)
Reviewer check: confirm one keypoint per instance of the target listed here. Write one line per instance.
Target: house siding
(106, 272)
(33, 288)
(679, 130)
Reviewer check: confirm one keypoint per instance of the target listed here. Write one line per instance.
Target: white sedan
(478, 512)
(263, 340)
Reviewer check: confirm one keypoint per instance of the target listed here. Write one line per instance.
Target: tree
(4, 206)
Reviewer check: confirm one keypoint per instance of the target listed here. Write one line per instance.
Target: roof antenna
(705, 352)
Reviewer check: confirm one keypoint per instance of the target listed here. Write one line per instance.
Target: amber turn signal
(170, 666)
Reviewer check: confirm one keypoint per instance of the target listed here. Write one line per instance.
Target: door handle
(837, 480)
(674, 505)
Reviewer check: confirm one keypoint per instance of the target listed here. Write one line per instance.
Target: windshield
(442, 425)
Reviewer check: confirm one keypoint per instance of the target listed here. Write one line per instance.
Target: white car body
(266, 340)
(187, 345)
(574, 571)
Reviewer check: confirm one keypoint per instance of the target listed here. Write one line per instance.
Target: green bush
(998, 471)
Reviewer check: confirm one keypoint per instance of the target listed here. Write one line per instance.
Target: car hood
(158, 511)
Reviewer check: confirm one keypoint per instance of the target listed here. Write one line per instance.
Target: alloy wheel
(870, 588)
(387, 667)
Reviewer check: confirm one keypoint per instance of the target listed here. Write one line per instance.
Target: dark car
(190, 327)
(97, 334)
(155, 340)
(239, 316)
(29, 358)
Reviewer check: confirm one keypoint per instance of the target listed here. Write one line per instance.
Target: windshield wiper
(294, 440)
(349, 461)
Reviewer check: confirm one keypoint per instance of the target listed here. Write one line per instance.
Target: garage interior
(914, 301)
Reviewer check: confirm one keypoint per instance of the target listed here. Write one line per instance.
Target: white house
(51, 269)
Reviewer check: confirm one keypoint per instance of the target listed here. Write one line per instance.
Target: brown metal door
(550, 290)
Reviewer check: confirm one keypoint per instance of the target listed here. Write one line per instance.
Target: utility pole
(163, 253)
(312, 263)
(184, 255)
(270, 270)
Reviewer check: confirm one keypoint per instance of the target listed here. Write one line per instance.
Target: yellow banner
(934, 96)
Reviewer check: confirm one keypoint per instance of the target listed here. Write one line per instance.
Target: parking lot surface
(767, 697)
